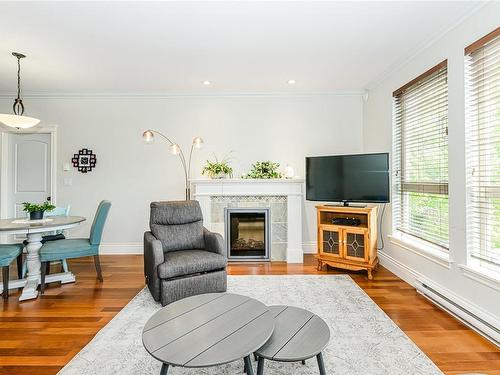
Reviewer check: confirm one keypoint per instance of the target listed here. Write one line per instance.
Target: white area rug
(364, 340)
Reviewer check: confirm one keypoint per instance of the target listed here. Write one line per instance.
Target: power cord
(381, 225)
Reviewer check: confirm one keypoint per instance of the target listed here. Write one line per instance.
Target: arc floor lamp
(149, 135)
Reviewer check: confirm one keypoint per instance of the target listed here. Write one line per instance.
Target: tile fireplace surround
(283, 197)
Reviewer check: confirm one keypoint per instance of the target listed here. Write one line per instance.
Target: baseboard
(401, 270)
(309, 247)
(121, 248)
(467, 312)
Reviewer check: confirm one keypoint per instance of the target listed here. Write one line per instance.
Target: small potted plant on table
(36, 210)
(218, 169)
(264, 170)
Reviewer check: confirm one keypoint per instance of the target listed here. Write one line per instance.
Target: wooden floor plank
(41, 336)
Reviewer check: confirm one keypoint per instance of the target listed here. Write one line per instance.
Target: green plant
(264, 169)
(33, 207)
(214, 169)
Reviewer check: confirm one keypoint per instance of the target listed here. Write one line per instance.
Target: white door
(29, 171)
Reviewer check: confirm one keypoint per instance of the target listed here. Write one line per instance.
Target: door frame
(4, 162)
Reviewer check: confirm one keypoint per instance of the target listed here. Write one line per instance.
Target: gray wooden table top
(298, 335)
(208, 330)
(48, 224)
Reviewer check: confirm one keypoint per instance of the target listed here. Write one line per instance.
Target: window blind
(482, 67)
(420, 157)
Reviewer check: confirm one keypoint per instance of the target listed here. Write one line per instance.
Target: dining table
(34, 230)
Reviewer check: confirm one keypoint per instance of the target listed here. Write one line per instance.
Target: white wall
(377, 137)
(132, 174)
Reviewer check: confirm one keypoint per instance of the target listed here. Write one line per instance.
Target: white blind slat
(482, 68)
(420, 159)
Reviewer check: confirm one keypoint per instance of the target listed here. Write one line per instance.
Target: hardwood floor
(40, 337)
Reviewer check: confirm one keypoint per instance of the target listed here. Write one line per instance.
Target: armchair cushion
(178, 225)
(188, 262)
(175, 212)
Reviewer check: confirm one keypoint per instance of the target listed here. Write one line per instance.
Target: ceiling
(172, 47)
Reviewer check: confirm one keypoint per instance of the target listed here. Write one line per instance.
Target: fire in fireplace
(247, 233)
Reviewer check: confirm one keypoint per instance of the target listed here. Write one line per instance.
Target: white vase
(219, 176)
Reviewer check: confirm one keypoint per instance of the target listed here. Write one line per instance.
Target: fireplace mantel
(292, 189)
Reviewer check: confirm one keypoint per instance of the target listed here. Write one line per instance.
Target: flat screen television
(348, 178)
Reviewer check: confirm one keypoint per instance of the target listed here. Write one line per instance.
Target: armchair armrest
(214, 242)
(153, 257)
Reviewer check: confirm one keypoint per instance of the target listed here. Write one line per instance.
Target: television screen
(348, 178)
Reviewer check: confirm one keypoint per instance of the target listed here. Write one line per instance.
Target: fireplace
(247, 233)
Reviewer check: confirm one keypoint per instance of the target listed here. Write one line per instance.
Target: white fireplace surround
(204, 189)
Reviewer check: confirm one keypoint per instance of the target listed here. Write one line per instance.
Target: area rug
(364, 340)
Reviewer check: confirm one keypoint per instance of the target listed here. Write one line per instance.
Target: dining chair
(9, 252)
(76, 248)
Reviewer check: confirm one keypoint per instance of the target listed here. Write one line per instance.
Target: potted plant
(265, 170)
(36, 210)
(218, 169)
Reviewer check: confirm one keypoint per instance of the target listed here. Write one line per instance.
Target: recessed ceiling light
(292, 82)
(207, 83)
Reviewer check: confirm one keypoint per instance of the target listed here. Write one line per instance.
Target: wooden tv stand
(344, 246)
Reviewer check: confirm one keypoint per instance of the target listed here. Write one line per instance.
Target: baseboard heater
(488, 329)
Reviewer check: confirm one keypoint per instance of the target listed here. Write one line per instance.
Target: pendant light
(17, 120)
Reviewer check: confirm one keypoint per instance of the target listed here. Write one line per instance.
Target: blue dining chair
(9, 252)
(76, 248)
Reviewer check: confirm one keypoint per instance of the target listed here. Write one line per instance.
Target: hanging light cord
(381, 227)
(18, 106)
(19, 78)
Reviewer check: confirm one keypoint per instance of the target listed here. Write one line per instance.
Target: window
(420, 157)
(482, 67)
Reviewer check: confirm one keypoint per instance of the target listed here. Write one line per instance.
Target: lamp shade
(198, 142)
(175, 149)
(148, 136)
(19, 122)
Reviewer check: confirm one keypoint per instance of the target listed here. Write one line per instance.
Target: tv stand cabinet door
(356, 244)
(330, 243)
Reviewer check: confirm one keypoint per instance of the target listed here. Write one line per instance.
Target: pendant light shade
(17, 120)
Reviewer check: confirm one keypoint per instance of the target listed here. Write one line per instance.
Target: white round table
(34, 230)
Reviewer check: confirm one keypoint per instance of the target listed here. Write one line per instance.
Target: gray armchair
(181, 257)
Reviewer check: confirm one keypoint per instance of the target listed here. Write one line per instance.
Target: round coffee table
(208, 330)
(298, 335)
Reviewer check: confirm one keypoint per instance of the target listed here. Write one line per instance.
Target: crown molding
(167, 95)
(405, 60)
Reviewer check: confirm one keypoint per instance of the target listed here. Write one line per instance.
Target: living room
(241, 116)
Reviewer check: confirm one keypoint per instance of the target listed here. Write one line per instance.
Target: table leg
(164, 369)
(321, 364)
(260, 366)
(248, 365)
(34, 267)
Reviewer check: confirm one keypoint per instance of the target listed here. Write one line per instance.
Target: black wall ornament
(85, 160)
